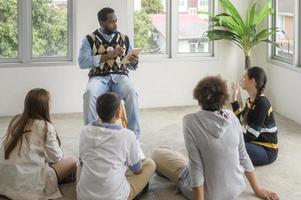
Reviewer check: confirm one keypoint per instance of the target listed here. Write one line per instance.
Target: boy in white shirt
(107, 151)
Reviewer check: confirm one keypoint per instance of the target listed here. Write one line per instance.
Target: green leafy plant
(49, 29)
(245, 33)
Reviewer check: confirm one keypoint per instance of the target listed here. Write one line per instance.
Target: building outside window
(285, 20)
(157, 33)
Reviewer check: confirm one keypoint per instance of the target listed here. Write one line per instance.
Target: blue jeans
(259, 155)
(123, 87)
(184, 183)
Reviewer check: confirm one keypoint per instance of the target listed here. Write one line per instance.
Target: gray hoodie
(217, 154)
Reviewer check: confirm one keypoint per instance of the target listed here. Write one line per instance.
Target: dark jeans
(260, 155)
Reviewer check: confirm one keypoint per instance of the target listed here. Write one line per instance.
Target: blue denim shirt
(86, 60)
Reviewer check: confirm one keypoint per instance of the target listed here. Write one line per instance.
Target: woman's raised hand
(235, 88)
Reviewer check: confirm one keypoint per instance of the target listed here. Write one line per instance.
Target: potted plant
(245, 33)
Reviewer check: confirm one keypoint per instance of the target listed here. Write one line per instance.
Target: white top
(29, 175)
(106, 152)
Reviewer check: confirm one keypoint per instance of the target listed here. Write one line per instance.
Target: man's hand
(119, 51)
(116, 52)
(133, 59)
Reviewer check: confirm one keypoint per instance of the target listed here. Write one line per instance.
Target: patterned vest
(100, 46)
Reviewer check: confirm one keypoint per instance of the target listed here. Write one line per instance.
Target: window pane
(49, 28)
(150, 25)
(8, 28)
(285, 21)
(192, 26)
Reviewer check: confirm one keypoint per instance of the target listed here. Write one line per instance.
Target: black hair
(259, 75)
(106, 106)
(102, 15)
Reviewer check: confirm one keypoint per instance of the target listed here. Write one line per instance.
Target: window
(191, 27)
(284, 19)
(8, 29)
(183, 5)
(35, 30)
(172, 27)
(150, 28)
(203, 4)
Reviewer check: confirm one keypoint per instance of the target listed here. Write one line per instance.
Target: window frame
(279, 60)
(172, 24)
(24, 50)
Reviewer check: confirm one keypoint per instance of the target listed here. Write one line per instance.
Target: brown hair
(36, 106)
(211, 93)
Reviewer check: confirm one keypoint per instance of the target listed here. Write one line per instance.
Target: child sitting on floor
(31, 160)
(107, 150)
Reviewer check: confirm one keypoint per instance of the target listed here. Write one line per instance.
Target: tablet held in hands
(135, 51)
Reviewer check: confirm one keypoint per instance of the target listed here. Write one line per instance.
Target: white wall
(283, 87)
(159, 83)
